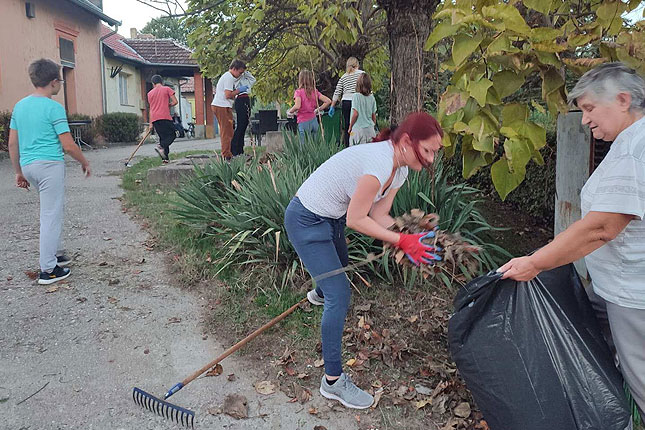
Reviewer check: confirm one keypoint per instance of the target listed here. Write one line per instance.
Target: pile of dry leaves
(458, 259)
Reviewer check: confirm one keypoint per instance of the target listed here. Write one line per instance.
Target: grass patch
(247, 297)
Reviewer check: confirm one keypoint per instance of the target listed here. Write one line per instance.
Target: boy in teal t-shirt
(38, 134)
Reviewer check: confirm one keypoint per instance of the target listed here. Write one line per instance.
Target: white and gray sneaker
(314, 298)
(346, 392)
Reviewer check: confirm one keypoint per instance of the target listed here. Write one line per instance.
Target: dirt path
(116, 323)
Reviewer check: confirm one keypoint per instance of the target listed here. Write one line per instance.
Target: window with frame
(66, 51)
(123, 88)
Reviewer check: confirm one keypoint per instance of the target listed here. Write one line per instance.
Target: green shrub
(5, 119)
(241, 207)
(119, 126)
(536, 194)
(90, 132)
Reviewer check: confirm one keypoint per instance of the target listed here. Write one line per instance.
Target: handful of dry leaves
(457, 255)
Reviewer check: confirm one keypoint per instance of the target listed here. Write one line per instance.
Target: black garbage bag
(533, 356)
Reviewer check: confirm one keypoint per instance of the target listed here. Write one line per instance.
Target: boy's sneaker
(346, 392)
(58, 274)
(63, 260)
(159, 150)
(314, 298)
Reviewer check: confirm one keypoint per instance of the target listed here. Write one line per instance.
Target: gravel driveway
(116, 323)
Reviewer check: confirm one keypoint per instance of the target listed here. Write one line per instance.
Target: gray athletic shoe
(314, 298)
(346, 392)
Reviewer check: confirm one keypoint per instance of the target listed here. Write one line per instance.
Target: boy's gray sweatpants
(48, 177)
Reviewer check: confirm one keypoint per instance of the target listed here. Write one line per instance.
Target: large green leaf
(472, 159)
(504, 180)
(518, 153)
(509, 16)
(542, 6)
(479, 89)
(545, 34)
(507, 82)
(442, 30)
(514, 112)
(464, 45)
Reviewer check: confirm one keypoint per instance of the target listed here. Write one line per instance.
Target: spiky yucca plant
(241, 207)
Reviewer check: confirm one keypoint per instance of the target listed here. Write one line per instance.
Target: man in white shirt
(222, 105)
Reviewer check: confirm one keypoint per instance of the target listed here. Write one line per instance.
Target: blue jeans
(320, 244)
(308, 127)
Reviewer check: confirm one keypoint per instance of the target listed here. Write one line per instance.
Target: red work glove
(416, 251)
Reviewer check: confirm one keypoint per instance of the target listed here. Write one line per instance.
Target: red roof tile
(115, 42)
(162, 51)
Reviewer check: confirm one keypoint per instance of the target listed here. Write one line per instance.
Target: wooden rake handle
(243, 342)
(143, 139)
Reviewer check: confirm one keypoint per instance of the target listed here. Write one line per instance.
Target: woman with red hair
(356, 187)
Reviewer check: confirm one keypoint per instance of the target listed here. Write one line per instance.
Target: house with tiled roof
(66, 31)
(129, 65)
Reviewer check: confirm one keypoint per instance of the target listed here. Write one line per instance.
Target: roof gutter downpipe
(101, 53)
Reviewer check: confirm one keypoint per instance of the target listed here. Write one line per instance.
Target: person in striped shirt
(345, 90)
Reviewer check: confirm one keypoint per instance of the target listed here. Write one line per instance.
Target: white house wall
(134, 103)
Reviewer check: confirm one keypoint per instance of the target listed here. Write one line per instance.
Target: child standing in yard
(38, 135)
(361, 126)
(306, 99)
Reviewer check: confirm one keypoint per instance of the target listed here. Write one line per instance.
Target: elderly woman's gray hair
(606, 81)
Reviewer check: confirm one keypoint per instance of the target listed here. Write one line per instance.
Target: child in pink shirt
(306, 99)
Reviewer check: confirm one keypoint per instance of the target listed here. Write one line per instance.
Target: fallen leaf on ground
(31, 274)
(290, 370)
(9, 278)
(174, 320)
(265, 387)
(482, 425)
(303, 375)
(462, 410)
(232, 377)
(52, 289)
(313, 411)
(235, 405)
(112, 300)
(452, 424)
(413, 318)
(363, 308)
(351, 362)
(423, 390)
(377, 397)
(320, 428)
(319, 363)
(146, 351)
(423, 402)
(81, 299)
(215, 371)
(302, 394)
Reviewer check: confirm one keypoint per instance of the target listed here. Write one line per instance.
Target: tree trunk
(408, 27)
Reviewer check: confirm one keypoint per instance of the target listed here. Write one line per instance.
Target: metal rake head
(162, 408)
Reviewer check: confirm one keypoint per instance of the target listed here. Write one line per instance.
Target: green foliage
(119, 126)
(241, 206)
(279, 38)
(5, 119)
(167, 27)
(496, 49)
